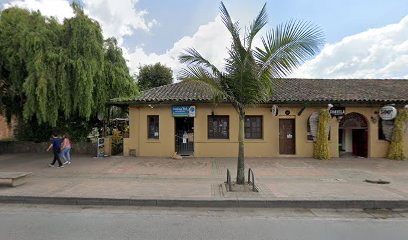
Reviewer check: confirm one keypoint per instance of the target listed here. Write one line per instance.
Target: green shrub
(396, 149)
(321, 147)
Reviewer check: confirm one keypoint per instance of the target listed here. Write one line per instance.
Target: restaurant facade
(183, 118)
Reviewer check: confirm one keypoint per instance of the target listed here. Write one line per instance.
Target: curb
(210, 203)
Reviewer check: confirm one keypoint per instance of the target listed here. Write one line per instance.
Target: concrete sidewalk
(284, 182)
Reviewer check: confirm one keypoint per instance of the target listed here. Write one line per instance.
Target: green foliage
(321, 147)
(116, 73)
(117, 142)
(77, 129)
(396, 148)
(32, 131)
(56, 73)
(156, 75)
(246, 79)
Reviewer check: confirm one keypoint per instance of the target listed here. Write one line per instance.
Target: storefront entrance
(184, 135)
(353, 135)
(287, 136)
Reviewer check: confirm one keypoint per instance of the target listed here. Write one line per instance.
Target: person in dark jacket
(56, 147)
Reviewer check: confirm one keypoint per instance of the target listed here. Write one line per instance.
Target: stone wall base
(32, 147)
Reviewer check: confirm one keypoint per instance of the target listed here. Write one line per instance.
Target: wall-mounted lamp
(329, 106)
(374, 119)
(150, 106)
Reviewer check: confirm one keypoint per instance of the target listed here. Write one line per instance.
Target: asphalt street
(75, 222)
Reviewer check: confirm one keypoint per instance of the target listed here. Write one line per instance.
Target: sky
(364, 38)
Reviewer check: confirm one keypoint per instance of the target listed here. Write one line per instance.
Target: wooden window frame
(251, 129)
(156, 121)
(210, 119)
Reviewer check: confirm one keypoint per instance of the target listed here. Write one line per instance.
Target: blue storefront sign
(184, 111)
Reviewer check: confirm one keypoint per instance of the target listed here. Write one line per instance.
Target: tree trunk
(241, 163)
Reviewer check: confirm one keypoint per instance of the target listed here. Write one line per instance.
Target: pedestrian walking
(56, 147)
(66, 150)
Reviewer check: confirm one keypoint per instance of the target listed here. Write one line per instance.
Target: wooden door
(287, 136)
(360, 142)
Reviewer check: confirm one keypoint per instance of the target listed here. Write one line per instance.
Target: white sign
(100, 147)
(388, 112)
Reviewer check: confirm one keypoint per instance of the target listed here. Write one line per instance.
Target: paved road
(63, 222)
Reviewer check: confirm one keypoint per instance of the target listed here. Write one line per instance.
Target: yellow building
(182, 118)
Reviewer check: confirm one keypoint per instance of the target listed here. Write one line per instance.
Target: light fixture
(101, 116)
(374, 119)
(329, 106)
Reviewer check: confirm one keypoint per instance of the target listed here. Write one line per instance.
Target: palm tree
(248, 72)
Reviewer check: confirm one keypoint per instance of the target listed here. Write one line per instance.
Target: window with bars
(153, 126)
(253, 127)
(218, 127)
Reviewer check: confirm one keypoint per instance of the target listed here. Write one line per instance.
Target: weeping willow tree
(116, 74)
(53, 72)
(41, 85)
(396, 149)
(14, 27)
(85, 59)
(321, 147)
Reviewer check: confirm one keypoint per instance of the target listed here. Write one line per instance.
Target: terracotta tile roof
(176, 92)
(340, 90)
(290, 91)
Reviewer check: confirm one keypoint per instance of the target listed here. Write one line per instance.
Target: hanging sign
(184, 111)
(387, 129)
(337, 111)
(274, 110)
(313, 121)
(388, 113)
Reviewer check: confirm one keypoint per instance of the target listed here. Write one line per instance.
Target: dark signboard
(337, 111)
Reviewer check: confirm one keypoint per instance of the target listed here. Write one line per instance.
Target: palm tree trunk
(241, 163)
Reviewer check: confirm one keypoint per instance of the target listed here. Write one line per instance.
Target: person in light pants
(66, 148)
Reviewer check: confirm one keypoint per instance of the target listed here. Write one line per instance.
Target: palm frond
(232, 27)
(288, 46)
(260, 21)
(192, 56)
(200, 74)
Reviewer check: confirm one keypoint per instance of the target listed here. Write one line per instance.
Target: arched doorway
(353, 135)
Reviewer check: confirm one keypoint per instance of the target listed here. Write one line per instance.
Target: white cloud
(375, 53)
(211, 40)
(118, 18)
(57, 8)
